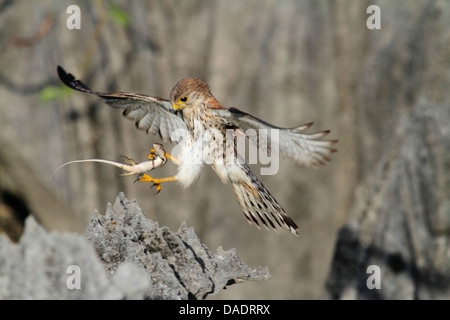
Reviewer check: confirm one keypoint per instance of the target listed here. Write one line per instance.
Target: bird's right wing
(304, 148)
(151, 114)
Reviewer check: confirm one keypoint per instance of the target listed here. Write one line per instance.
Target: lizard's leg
(129, 160)
(126, 174)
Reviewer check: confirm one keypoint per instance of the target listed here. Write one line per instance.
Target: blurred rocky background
(384, 200)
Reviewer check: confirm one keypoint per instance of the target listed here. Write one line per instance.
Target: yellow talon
(156, 182)
(152, 154)
(166, 155)
(145, 178)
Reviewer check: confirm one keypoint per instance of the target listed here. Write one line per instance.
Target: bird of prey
(193, 109)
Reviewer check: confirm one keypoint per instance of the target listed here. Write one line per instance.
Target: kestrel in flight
(193, 108)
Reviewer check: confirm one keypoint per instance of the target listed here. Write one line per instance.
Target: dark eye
(183, 99)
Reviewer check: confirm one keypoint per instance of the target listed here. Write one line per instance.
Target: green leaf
(51, 93)
(119, 15)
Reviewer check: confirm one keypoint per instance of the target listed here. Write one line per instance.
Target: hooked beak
(178, 110)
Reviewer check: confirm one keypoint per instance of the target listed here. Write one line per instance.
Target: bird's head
(189, 92)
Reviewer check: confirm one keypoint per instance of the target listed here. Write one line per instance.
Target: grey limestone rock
(123, 255)
(37, 267)
(400, 220)
(177, 264)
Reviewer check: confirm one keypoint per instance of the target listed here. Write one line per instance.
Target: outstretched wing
(304, 148)
(151, 114)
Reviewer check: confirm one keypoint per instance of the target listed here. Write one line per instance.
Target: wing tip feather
(304, 126)
(70, 81)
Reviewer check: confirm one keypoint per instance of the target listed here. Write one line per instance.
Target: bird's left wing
(304, 148)
(152, 114)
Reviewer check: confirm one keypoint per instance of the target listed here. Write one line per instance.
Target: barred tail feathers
(259, 205)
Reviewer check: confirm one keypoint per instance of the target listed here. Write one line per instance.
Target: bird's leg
(158, 151)
(165, 154)
(174, 160)
(156, 182)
